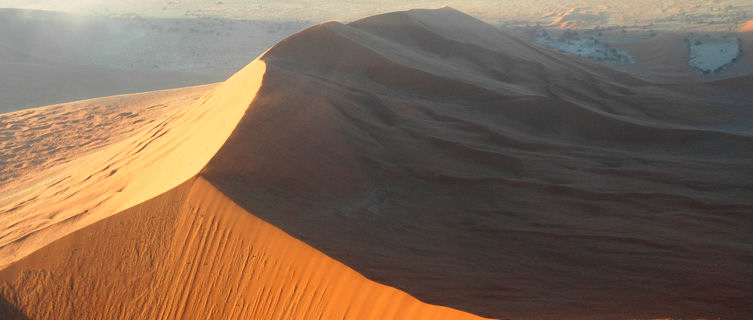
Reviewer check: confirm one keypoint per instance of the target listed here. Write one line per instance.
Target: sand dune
(573, 18)
(524, 174)
(747, 26)
(429, 152)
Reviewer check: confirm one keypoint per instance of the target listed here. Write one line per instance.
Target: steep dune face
(192, 253)
(536, 185)
(40, 207)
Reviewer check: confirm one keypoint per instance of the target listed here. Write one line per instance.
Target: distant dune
(353, 167)
(747, 26)
(746, 37)
(572, 18)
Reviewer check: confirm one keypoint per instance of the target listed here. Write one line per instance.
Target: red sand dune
(426, 150)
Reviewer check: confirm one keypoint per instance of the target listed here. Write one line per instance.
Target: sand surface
(427, 150)
(191, 253)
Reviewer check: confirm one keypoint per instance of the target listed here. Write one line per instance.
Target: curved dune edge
(94, 186)
(192, 252)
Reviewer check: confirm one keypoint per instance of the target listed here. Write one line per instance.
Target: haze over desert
(342, 160)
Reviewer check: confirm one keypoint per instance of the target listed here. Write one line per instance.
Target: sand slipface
(426, 150)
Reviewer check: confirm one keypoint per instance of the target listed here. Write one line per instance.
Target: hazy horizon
(633, 12)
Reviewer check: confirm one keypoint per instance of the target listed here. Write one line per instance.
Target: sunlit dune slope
(191, 253)
(64, 190)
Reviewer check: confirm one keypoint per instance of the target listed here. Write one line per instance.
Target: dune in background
(746, 37)
(437, 156)
(747, 26)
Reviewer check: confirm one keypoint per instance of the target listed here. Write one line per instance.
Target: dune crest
(51, 203)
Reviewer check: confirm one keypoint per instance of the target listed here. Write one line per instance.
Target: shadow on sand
(8, 311)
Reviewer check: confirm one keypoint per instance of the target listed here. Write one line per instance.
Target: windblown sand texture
(437, 156)
(198, 256)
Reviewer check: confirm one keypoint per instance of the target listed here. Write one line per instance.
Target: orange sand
(193, 253)
(747, 26)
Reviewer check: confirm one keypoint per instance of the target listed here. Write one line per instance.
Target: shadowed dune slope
(191, 253)
(484, 174)
(429, 152)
